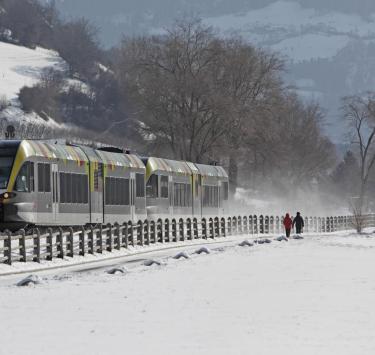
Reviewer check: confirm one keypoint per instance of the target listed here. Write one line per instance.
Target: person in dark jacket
(287, 224)
(298, 222)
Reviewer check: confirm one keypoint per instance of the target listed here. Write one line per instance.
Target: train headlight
(7, 195)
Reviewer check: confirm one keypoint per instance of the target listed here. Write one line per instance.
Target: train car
(42, 184)
(53, 184)
(168, 188)
(214, 185)
(177, 189)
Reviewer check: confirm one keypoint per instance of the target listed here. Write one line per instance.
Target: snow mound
(181, 255)
(151, 262)
(297, 236)
(263, 241)
(30, 280)
(281, 238)
(116, 270)
(203, 250)
(246, 243)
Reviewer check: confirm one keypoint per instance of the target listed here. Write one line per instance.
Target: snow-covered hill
(21, 66)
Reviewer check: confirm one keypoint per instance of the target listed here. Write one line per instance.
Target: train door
(197, 195)
(132, 197)
(170, 195)
(97, 207)
(55, 192)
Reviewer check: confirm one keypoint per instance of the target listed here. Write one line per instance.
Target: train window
(140, 185)
(85, 189)
(152, 187)
(74, 188)
(224, 187)
(62, 188)
(107, 190)
(210, 196)
(116, 191)
(117, 197)
(25, 178)
(126, 192)
(40, 177)
(164, 186)
(182, 195)
(44, 177)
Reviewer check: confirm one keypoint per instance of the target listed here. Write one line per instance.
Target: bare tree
(194, 89)
(359, 112)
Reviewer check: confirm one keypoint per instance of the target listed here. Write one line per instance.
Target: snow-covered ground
(311, 296)
(19, 67)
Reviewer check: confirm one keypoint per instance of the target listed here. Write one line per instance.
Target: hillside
(21, 66)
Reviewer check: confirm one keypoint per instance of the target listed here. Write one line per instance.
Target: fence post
(82, 244)
(70, 240)
(223, 228)
(125, 240)
(99, 239)
(49, 244)
(255, 222)
(117, 236)
(234, 225)
(109, 241)
(167, 235)
(261, 224)
(131, 233)
(140, 233)
(146, 232)
(22, 245)
(60, 244)
(8, 248)
(90, 241)
(36, 246)
(266, 224)
(195, 229)
(210, 228)
(277, 225)
(204, 228)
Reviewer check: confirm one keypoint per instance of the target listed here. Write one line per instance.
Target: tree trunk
(233, 173)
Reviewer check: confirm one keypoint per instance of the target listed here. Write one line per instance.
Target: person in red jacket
(288, 223)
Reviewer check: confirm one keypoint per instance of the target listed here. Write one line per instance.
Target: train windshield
(8, 150)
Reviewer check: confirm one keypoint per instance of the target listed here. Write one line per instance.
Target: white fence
(59, 243)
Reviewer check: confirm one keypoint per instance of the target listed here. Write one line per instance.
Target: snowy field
(311, 296)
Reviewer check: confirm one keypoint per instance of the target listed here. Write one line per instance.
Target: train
(59, 183)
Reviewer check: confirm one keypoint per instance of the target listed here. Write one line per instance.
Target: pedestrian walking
(298, 222)
(288, 223)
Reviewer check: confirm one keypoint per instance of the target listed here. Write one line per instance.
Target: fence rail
(69, 242)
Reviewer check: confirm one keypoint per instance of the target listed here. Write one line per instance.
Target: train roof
(154, 164)
(80, 154)
(52, 151)
(212, 170)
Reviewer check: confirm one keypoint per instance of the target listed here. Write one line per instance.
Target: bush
(31, 99)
